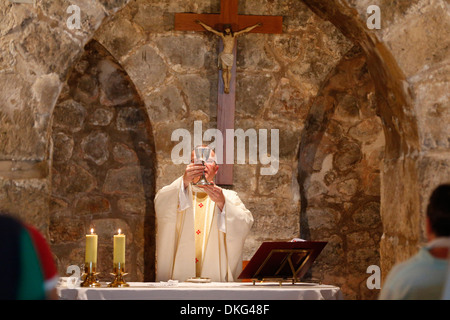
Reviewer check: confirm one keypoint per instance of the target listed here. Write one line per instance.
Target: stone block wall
(279, 78)
(407, 59)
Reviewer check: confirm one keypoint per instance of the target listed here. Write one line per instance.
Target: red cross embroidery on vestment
(200, 205)
(198, 232)
(196, 260)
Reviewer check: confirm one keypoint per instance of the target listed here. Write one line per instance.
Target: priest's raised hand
(216, 195)
(192, 173)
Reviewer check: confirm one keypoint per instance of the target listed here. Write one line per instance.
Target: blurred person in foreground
(27, 266)
(425, 276)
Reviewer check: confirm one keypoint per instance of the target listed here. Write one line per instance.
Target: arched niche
(340, 156)
(103, 167)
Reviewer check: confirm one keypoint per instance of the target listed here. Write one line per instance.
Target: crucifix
(226, 21)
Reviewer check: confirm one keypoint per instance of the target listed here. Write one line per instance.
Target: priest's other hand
(216, 195)
(192, 172)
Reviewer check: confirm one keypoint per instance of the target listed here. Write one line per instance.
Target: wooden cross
(226, 102)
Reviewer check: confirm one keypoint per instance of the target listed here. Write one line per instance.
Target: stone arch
(395, 107)
(41, 51)
(341, 148)
(404, 64)
(103, 168)
(394, 97)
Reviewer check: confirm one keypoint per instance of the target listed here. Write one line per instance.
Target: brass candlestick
(90, 275)
(119, 273)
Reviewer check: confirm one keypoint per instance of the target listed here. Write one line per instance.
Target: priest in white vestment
(200, 230)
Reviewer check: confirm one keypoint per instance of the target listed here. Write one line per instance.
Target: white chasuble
(194, 238)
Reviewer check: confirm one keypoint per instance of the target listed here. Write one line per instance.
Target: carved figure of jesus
(226, 57)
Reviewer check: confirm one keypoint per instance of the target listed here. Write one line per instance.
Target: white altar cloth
(204, 291)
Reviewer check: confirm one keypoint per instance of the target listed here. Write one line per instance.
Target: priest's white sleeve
(183, 198)
(166, 210)
(221, 221)
(238, 222)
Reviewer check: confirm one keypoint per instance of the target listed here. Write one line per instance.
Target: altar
(204, 291)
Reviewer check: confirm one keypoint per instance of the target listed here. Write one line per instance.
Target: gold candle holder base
(119, 273)
(90, 276)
